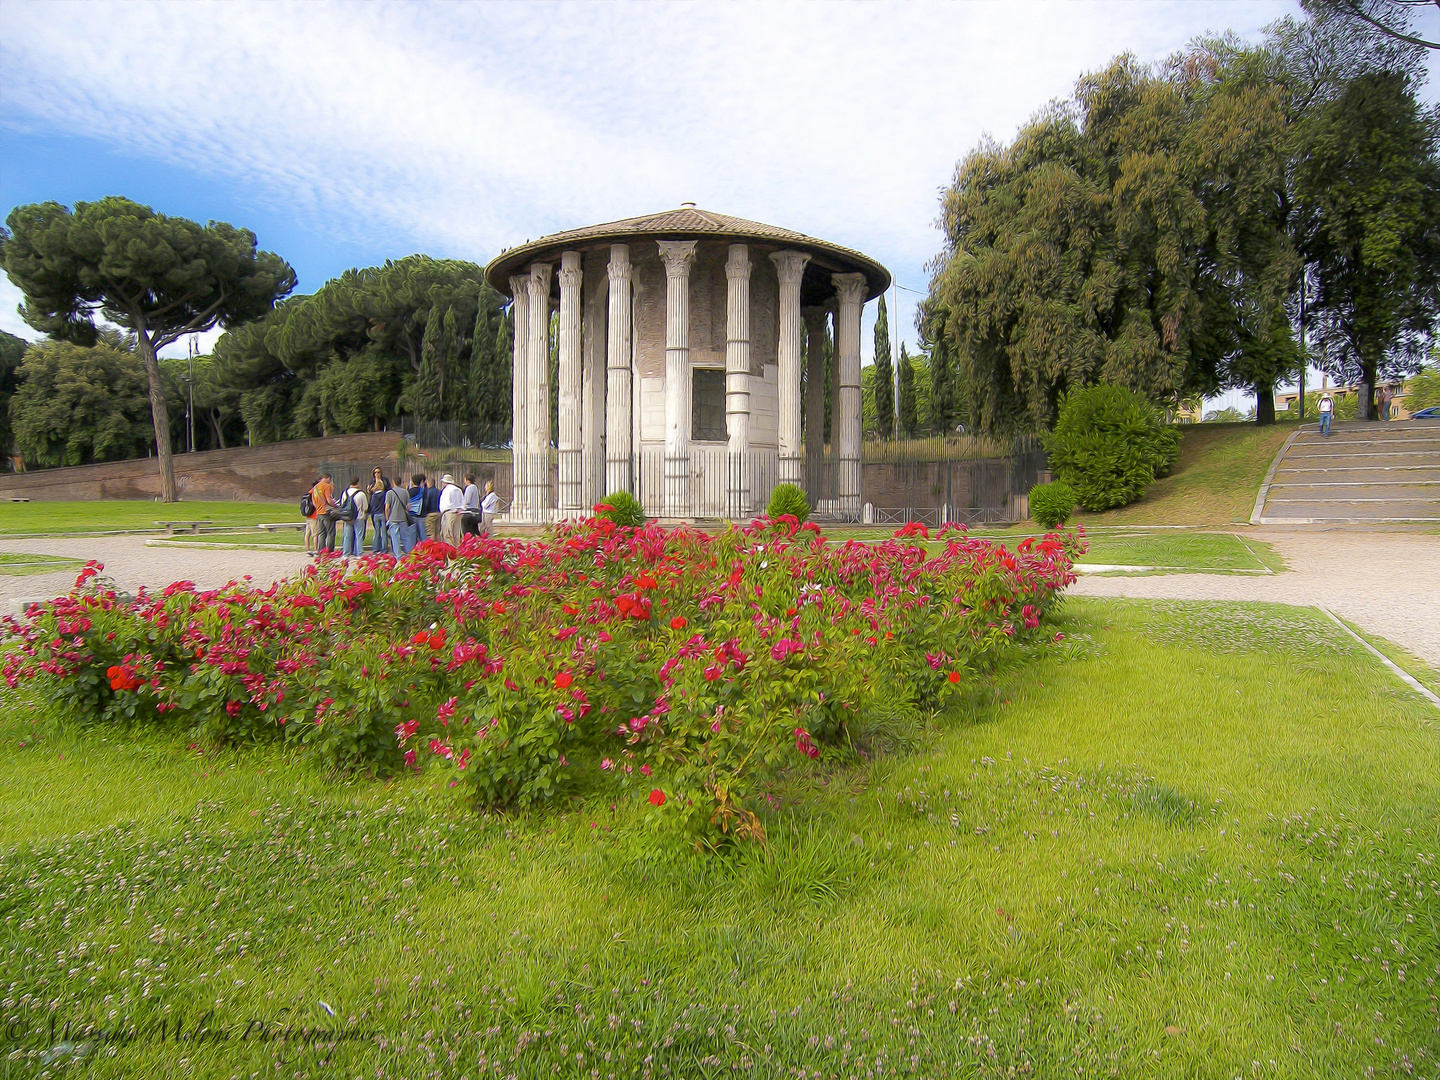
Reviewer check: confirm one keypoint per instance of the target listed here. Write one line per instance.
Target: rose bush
(682, 668)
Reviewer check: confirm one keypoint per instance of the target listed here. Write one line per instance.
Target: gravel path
(1387, 583)
(132, 564)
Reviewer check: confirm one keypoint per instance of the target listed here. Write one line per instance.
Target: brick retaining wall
(280, 470)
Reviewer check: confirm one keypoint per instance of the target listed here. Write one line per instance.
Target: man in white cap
(452, 502)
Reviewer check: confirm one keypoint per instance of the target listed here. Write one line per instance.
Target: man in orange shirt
(323, 495)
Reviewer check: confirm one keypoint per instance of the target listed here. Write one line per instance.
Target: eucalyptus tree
(158, 277)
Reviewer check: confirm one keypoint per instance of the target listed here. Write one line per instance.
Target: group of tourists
(398, 517)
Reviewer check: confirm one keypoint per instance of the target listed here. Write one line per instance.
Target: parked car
(1432, 413)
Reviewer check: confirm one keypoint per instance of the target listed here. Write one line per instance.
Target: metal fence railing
(931, 488)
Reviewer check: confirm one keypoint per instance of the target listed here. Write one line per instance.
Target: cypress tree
(884, 375)
(908, 419)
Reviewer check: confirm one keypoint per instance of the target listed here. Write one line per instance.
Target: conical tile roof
(685, 223)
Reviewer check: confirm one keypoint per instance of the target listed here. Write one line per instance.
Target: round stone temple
(692, 366)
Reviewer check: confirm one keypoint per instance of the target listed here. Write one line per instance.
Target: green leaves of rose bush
(683, 670)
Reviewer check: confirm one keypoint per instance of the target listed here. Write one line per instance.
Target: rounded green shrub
(1051, 504)
(788, 499)
(1109, 444)
(622, 508)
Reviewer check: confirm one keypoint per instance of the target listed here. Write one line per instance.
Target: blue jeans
(1325, 423)
(353, 543)
(382, 534)
(403, 539)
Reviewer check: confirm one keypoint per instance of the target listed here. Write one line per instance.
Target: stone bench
(276, 526)
(192, 527)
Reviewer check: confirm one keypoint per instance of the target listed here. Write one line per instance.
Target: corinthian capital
(790, 265)
(850, 288)
(520, 284)
(570, 275)
(679, 255)
(619, 267)
(738, 265)
(540, 283)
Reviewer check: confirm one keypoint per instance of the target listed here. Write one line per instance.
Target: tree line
(1182, 228)
(112, 283)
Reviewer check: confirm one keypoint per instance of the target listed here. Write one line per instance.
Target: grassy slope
(1215, 482)
(83, 518)
(1179, 843)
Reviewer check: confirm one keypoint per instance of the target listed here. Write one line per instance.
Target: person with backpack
(354, 509)
(399, 525)
(378, 487)
(311, 513)
(416, 505)
(322, 496)
(1327, 410)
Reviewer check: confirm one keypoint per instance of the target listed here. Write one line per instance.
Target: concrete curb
(1404, 676)
(1257, 515)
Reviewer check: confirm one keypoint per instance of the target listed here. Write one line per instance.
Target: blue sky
(345, 134)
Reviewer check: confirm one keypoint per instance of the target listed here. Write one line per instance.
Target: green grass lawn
(285, 538)
(26, 564)
(1182, 550)
(1185, 841)
(1220, 470)
(82, 518)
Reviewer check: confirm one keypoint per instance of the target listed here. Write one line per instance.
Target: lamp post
(190, 401)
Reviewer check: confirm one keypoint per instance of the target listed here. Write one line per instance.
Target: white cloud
(463, 128)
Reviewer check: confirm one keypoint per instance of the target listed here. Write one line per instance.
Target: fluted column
(537, 405)
(618, 375)
(679, 256)
(737, 378)
(851, 290)
(519, 394)
(790, 267)
(592, 392)
(570, 280)
(815, 318)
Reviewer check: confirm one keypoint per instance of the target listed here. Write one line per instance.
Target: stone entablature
(682, 339)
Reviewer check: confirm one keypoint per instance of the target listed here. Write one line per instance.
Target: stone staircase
(1363, 473)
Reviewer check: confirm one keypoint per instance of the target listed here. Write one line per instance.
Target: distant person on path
(1382, 403)
(355, 508)
(399, 527)
(470, 519)
(452, 505)
(323, 494)
(379, 485)
(432, 512)
(417, 491)
(1327, 410)
(489, 507)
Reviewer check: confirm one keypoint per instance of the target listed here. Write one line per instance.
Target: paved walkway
(132, 564)
(1387, 583)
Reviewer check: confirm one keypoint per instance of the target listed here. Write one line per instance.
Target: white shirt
(491, 503)
(451, 499)
(1326, 404)
(472, 497)
(362, 502)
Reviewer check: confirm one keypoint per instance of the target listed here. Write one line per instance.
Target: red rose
(563, 680)
(677, 623)
(657, 797)
(954, 676)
